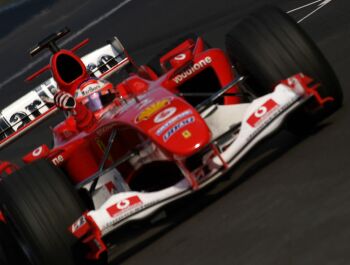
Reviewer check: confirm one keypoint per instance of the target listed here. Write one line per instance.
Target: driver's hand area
(64, 100)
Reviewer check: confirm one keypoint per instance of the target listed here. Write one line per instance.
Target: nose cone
(173, 124)
(183, 134)
(187, 136)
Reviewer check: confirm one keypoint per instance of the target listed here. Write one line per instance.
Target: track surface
(292, 202)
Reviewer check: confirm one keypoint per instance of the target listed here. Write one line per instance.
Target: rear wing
(31, 109)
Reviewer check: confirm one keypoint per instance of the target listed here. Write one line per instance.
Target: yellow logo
(152, 109)
(186, 134)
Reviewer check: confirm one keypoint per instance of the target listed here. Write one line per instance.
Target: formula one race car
(165, 131)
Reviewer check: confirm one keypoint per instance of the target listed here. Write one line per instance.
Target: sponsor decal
(172, 121)
(33, 108)
(180, 57)
(19, 119)
(186, 134)
(271, 117)
(177, 127)
(58, 160)
(107, 60)
(193, 69)
(91, 67)
(26, 109)
(78, 224)
(5, 128)
(37, 151)
(122, 205)
(132, 210)
(152, 109)
(103, 64)
(90, 87)
(261, 113)
(48, 86)
(165, 114)
(111, 187)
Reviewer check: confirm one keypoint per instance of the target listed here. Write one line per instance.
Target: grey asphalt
(287, 203)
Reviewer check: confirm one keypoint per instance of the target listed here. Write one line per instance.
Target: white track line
(12, 5)
(301, 7)
(96, 21)
(322, 3)
(72, 37)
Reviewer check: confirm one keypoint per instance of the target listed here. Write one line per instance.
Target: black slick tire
(269, 46)
(39, 204)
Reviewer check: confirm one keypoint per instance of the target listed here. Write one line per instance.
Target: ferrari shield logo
(186, 134)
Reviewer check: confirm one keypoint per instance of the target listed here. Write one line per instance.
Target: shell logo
(152, 109)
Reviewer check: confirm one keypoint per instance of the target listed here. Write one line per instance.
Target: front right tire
(269, 46)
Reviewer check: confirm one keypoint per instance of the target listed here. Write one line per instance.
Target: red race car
(164, 131)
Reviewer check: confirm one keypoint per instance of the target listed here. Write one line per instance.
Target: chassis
(168, 135)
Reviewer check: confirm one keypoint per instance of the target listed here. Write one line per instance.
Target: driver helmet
(95, 94)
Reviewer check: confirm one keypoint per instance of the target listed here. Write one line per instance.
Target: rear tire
(269, 46)
(39, 204)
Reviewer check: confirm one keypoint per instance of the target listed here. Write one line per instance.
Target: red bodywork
(141, 117)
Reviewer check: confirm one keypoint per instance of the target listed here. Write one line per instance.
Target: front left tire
(39, 204)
